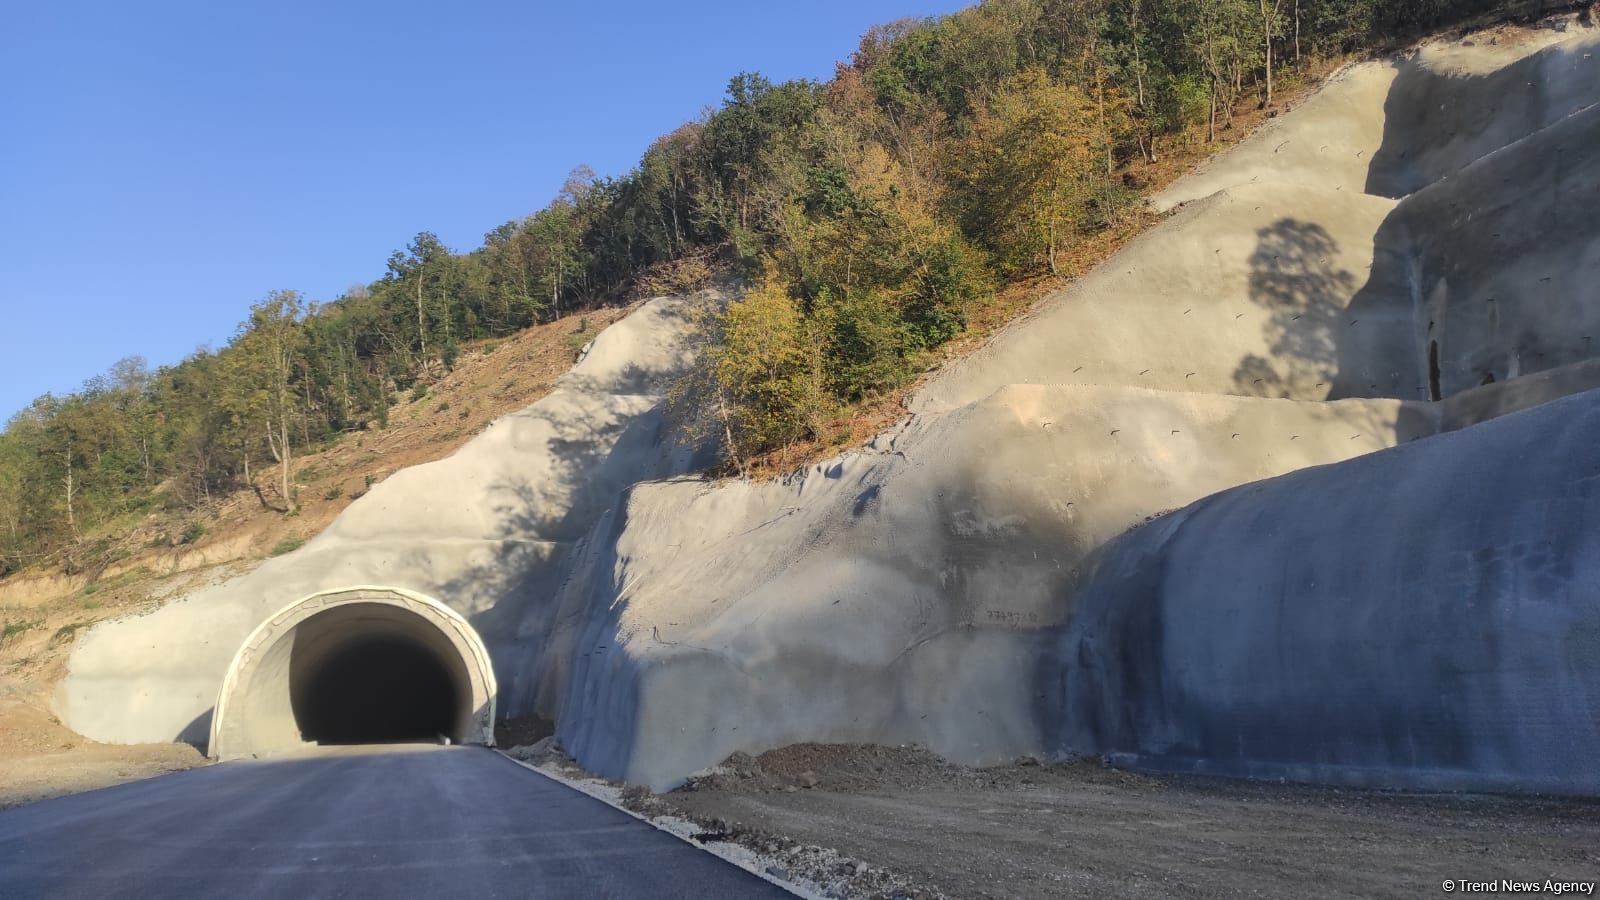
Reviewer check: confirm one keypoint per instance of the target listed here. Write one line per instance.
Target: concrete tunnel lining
(358, 664)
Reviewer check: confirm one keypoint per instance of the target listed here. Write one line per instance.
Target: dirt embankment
(41, 758)
(889, 822)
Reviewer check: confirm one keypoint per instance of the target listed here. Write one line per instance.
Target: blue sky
(163, 165)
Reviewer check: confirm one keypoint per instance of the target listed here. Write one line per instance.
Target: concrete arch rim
(283, 621)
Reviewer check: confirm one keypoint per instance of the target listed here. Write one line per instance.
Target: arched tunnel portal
(359, 665)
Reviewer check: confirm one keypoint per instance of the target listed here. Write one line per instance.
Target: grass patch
(287, 545)
(12, 629)
(120, 580)
(579, 339)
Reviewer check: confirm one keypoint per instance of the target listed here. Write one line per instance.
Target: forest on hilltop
(870, 215)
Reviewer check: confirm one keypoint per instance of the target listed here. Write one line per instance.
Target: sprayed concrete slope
(1430, 620)
(486, 531)
(916, 592)
(1308, 302)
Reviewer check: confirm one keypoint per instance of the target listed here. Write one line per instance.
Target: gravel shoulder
(922, 827)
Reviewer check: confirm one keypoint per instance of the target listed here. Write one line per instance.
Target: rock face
(1338, 287)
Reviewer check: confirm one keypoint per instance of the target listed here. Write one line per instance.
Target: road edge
(682, 829)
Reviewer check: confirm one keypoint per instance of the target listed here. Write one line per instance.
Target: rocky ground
(866, 821)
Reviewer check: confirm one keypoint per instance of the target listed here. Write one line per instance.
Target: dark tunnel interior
(372, 687)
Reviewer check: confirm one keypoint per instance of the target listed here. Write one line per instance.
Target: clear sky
(163, 165)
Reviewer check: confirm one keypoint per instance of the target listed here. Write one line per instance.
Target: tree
(1270, 11)
(763, 373)
(1027, 165)
(264, 357)
(131, 380)
(420, 269)
(1215, 40)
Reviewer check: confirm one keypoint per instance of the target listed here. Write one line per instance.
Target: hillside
(1318, 312)
(965, 580)
(135, 534)
(878, 215)
(43, 614)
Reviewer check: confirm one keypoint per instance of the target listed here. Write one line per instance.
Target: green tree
(763, 372)
(263, 359)
(1028, 167)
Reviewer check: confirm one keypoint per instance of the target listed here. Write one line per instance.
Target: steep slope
(489, 528)
(1316, 297)
(898, 596)
(910, 594)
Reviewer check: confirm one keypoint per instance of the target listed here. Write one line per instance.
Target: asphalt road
(353, 822)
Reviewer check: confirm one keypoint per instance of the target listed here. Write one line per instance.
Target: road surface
(353, 822)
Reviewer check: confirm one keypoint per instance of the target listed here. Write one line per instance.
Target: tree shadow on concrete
(1294, 276)
(1437, 121)
(1323, 345)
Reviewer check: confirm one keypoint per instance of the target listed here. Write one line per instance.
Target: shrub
(192, 532)
(579, 339)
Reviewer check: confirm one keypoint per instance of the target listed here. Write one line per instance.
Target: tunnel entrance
(355, 666)
(376, 689)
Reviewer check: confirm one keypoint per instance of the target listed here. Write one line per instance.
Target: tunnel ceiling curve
(355, 665)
